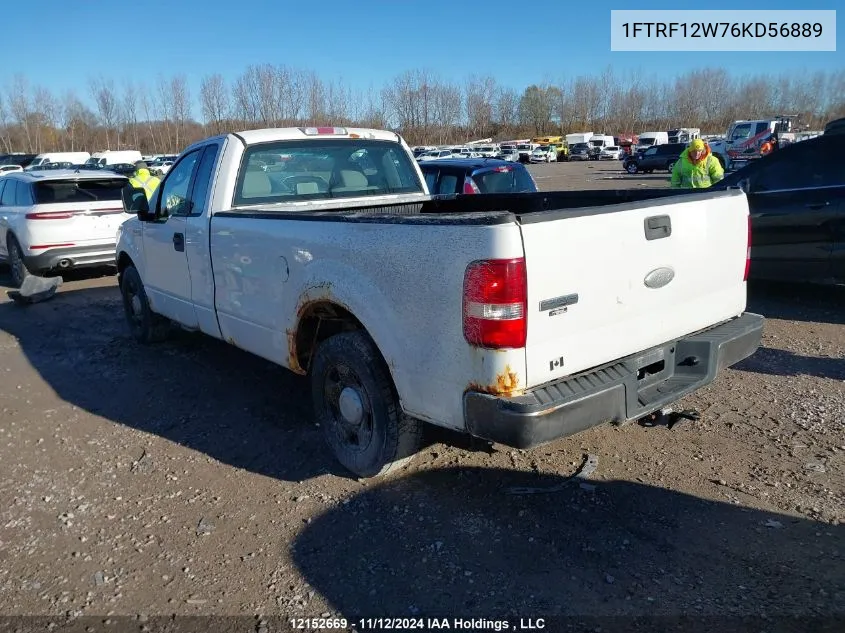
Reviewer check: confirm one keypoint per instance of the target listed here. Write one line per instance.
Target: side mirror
(135, 201)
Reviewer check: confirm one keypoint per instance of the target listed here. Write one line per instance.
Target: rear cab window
(323, 169)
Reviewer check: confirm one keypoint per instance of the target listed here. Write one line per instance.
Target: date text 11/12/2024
(421, 624)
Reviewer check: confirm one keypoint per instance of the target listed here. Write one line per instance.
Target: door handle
(179, 242)
(817, 205)
(658, 227)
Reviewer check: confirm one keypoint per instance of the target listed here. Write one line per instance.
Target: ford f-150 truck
(517, 318)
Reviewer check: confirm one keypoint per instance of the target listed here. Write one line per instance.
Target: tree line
(164, 116)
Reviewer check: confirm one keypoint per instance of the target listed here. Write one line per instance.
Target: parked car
(24, 160)
(658, 157)
(7, 169)
(511, 155)
(476, 175)
(579, 151)
(613, 152)
(543, 154)
(59, 219)
(467, 312)
(796, 197)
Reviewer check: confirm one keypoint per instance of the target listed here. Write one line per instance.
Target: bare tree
(102, 90)
(130, 111)
(480, 100)
(19, 106)
(215, 102)
(180, 107)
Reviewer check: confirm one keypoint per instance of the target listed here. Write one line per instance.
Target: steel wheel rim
(341, 389)
(133, 304)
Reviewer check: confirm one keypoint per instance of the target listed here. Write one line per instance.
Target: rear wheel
(632, 168)
(357, 408)
(16, 262)
(146, 326)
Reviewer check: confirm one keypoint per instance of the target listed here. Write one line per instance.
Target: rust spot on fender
(293, 357)
(507, 384)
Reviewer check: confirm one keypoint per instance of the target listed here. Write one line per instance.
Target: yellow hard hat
(697, 145)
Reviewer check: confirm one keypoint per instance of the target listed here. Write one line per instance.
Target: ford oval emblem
(659, 277)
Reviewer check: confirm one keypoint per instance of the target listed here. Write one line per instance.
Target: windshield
(57, 191)
(741, 131)
(325, 169)
(580, 146)
(523, 146)
(95, 162)
(648, 140)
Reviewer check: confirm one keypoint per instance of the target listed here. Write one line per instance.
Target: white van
(650, 139)
(74, 158)
(115, 157)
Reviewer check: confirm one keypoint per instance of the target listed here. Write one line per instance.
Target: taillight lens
(470, 186)
(54, 215)
(495, 303)
(748, 252)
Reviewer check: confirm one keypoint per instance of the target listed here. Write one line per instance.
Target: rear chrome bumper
(616, 392)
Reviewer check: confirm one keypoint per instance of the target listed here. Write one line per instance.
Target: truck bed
(483, 209)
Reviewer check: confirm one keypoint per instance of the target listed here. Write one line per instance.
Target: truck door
(167, 278)
(197, 242)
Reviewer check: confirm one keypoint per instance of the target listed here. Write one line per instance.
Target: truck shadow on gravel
(779, 362)
(454, 543)
(193, 390)
(797, 302)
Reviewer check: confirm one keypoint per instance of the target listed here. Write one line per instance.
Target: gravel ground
(187, 478)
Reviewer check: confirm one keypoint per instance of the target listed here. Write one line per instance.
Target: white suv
(57, 220)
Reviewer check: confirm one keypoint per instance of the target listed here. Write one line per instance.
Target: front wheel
(357, 408)
(632, 168)
(146, 326)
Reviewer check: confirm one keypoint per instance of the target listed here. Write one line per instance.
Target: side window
(761, 127)
(174, 189)
(651, 151)
(430, 179)
(9, 193)
(3, 182)
(202, 182)
(24, 195)
(448, 184)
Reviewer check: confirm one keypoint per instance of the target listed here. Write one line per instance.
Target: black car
(476, 175)
(657, 157)
(24, 160)
(797, 200)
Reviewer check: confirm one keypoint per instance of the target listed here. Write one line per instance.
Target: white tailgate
(604, 259)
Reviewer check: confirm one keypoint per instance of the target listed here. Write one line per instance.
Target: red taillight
(470, 186)
(748, 252)
(56, 215)
(495, 303)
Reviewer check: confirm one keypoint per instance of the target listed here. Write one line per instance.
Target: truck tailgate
(610, 282)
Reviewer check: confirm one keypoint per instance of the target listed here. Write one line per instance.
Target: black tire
(17, 266)
(383, 438)
(146, 326)
(632, 168)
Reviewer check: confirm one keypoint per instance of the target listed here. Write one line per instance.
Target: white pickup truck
(517, 318)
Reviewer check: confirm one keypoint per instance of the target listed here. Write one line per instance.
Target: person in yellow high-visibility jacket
(696, 168)
(143, 179)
